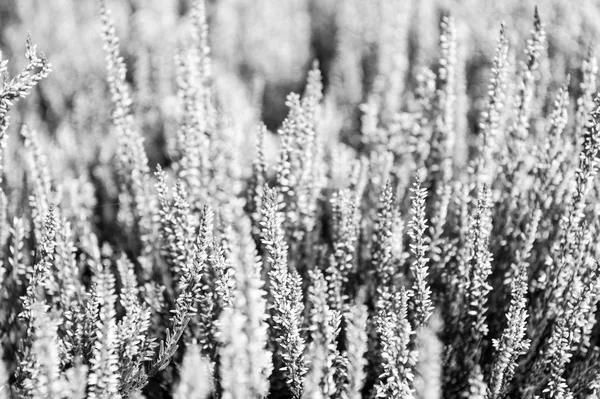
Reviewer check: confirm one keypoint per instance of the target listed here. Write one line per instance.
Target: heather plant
(422, 224)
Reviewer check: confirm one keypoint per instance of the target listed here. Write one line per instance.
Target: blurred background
(262, 50)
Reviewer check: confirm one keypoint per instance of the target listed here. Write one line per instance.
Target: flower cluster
(422, 224)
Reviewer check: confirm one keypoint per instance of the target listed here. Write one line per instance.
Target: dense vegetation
(423, 224)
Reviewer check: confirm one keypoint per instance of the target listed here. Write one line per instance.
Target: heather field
(305, 199)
